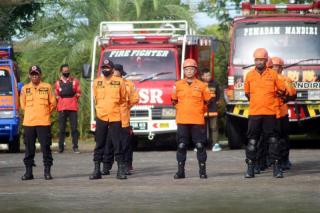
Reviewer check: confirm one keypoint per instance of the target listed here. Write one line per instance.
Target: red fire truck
(152, 53)
(290, 31)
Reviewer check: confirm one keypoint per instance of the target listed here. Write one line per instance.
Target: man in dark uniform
(211, 111)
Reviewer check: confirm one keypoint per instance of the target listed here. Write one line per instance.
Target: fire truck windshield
(293, 41)
(140, 64)
(5, 83)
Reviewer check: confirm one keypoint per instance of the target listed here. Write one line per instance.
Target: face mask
(106, 73)
(66, 74)
(260, 67)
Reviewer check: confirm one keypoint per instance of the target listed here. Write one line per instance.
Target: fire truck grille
(139, 113)
(302, 95)
(156, 113)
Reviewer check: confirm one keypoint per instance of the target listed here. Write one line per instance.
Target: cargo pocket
(29, 100)
(100, 95)
(44, 100)
(197, 95)
(180, 93)
(115, 94)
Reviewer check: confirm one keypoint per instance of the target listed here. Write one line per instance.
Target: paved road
(153, 189)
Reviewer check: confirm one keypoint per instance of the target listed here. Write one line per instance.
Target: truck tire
(14, 146)
(235, 133)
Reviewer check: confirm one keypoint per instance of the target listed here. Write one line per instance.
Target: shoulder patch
(28, 90)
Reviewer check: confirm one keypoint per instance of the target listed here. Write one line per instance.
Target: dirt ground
(152, 188)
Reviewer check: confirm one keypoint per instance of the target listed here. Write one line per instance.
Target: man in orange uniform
(189, 97)
(38, 102)
(261, 87)
(282, 113)
(262, 147)
(110, 99)
(132, 99)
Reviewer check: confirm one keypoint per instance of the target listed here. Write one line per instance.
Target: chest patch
(43, 91)
(115, 83)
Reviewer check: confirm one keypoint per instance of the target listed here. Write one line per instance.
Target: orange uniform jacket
(37, 102)
(132, 98)
(290, 91)
(110, 98)
(190, 101)
(262, 91)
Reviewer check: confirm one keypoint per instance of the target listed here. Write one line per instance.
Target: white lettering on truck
(138, 53)
(288, 30)
(152, 96)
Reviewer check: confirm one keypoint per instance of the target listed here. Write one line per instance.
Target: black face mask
(260, 67)
(66, 74)
(106, 73)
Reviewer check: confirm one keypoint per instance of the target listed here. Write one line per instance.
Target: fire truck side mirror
(86, 71)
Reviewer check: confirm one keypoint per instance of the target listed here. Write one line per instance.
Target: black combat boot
(202, 170)
(180, 174)
(105, 169)
(250, 170)
(127, 170)
(263, 165)
(257, 169)
(277, 171)
(96, 172)
(286, 164)
(47, 173)
(28, 175)
(121, 173)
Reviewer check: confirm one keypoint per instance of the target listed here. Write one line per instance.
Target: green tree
(65, 32)
(14, 2)
(16, 17)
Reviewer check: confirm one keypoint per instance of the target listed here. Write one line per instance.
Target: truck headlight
(313, 94)
(168, 112)
(239, 95)
(6, 114)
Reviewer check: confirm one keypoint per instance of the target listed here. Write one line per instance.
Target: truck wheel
(14, 146)
(236, 137)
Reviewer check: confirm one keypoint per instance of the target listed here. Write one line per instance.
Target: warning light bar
(247, 7)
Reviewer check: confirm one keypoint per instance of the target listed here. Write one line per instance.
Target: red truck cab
(152, 53)
(291, 32)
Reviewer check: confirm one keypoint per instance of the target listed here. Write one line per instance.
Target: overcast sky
(202, 19)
